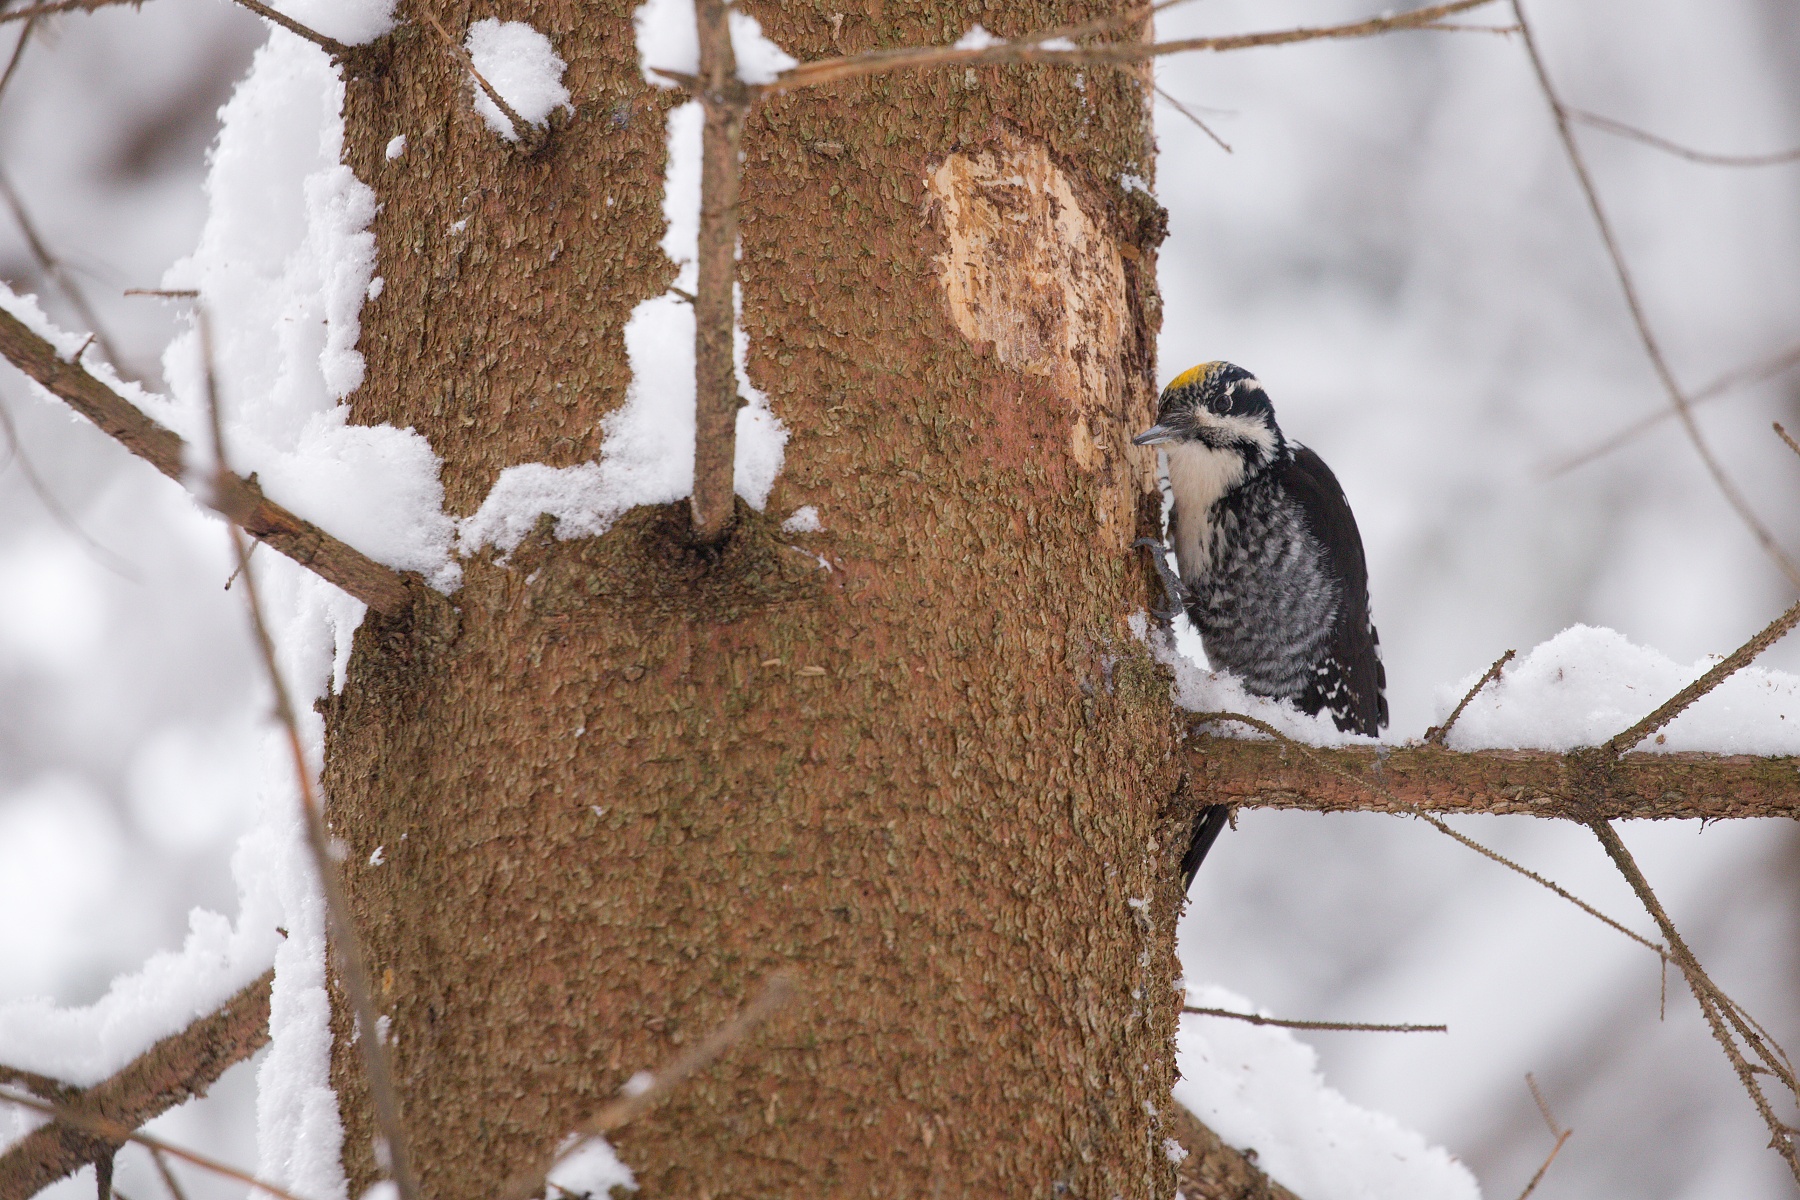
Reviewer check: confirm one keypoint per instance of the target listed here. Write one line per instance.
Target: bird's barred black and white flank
(1271, 564)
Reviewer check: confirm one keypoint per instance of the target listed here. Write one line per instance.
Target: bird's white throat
(1198, 476)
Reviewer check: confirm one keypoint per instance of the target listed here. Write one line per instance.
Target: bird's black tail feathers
(1207, 825)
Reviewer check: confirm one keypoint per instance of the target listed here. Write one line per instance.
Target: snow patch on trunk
(647, 455)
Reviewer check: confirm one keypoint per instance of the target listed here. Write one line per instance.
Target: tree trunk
(617, 782)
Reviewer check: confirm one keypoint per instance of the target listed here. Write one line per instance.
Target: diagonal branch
(60, 6)
(1640, 318)
(1039, 49)
(171, 1072)
(239, 501)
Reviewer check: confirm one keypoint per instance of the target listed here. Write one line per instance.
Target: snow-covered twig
(1351, 1026)
(530, 136)
(237, 500)
(1437, 733)
(1678, 398)
(353, 966)
(1045, 48)
(777, 992)
(171, 1072)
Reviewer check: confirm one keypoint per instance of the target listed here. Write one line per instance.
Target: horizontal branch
(171, 1072)
(1267, 774)
(239, 500)
(1036, 49)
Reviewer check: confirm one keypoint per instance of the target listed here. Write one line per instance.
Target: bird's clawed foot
(1174, 595)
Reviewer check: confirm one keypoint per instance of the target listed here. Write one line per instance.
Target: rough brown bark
(172, 1072)
(630, 780)
(1267, 774)
(1214, 1171)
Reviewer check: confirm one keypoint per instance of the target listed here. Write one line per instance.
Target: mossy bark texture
(917, 759)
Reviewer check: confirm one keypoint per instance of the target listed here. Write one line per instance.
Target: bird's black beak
(1156, 435)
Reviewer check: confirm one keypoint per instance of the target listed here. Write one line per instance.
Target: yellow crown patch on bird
(1193, 375)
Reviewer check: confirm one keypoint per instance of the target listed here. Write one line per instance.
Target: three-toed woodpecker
(1272, 570)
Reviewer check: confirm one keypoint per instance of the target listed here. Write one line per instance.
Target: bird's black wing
(1350, 683)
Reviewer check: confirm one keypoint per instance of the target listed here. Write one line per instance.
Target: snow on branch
(238, 500)
(171, 1072)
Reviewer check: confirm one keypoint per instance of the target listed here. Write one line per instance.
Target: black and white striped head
(1222, 407)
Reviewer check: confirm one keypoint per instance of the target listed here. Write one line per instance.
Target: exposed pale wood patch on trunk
(1027, 268)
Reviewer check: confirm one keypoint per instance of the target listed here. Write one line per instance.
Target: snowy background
(1396, 247)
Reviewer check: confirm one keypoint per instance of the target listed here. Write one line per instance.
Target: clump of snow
(396, 147)
(1136, 183)
(977, 39)
(667, 40)
(804, 519)
(1259, 1087)
(284, 264)
(1199, 690)
(520, 64)
(1586, 684)
(589, 1168)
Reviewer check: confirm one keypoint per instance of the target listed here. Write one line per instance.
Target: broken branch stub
(726, 101)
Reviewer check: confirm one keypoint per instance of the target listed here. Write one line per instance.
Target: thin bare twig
(59, 6)
(53, 270)
(1437, 733)
(344, 938)
(1623, 130)
(1543, 1105)
(1784, 436)
(1738, 659)
(101, 1127)
(1434, 822)
(1181, 108)
(1640, 318)
(168, 1176)
(1352, 1026)
(1722, 1014)
(330, 46)
(18, 54)
(777, 992)
(1531, 1187)
(881, 62)
(525, 133)
(1723, 385)
(15, 453)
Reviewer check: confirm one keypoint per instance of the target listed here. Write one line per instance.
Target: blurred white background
(1397, 248)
